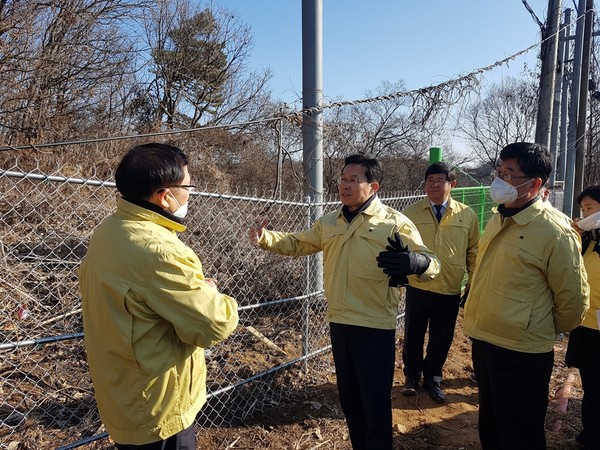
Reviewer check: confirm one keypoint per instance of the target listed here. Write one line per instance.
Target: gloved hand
(396, 245)
(398, 261)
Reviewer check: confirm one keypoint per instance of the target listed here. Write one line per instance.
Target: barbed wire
(463, 81)
(460, 81)
(469, 80)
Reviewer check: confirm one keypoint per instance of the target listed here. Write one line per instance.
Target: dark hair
(148, 168)
(373, 170)
(441, 167)
(534, 159)
(591, 191)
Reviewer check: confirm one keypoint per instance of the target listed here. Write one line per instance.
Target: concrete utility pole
(583, 99)
(558, 166)
(573, 112)
(565, 50)
(312, 140)
(548, 55)
(312, 97)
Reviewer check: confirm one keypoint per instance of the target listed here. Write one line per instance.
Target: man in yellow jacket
(451, 230)
(362, 299)
(529, 285)
(148, 310)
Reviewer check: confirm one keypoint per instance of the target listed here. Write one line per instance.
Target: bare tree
(61, 63)
(506, 113)
(398, 129)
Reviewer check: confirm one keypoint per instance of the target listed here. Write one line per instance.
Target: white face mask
(182, 210)
(590, 222)
(503, 192)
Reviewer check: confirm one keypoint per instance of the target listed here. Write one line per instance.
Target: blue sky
(364, 43)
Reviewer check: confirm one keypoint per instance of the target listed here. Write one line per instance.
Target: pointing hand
(257, 231)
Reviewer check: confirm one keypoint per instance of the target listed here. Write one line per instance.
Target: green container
(435, 154)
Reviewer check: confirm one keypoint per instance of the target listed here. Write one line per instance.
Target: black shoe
(410, 387)
(436, 393)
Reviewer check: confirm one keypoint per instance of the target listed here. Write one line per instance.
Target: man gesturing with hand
(362, 300)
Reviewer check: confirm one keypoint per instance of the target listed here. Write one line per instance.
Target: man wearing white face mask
(528, 286)
(148, 310)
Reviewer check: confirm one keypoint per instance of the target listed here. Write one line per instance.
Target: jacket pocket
(508, 314)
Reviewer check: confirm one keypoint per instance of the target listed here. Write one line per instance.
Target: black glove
(397, 260)
(396, 245)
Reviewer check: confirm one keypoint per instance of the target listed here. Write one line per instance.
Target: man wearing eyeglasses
(451, 230)
(528, 286)
(148, 310)
(362, 299)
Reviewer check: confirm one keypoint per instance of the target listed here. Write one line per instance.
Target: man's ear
(452, 184)
(375, 186)
(159, 198)
(537, 184)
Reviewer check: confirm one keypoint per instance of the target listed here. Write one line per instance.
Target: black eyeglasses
(506, 176)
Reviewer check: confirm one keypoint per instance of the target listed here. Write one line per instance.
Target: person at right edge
(529, 285)
(451, 230)
(583, 350)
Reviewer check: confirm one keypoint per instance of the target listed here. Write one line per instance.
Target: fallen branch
(232, 444)
(62, 316)
(263, 338)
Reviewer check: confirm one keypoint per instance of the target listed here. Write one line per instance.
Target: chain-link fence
(46, 396)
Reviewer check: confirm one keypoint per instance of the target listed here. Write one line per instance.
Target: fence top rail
(112, 184)
(306, 202)
(55, 178)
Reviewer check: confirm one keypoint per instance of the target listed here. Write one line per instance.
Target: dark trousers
(364, 365)
(184, 440)
(438, 312)
(584, 353)
(513, 396)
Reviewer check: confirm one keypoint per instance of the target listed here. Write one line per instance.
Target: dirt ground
(313, 418)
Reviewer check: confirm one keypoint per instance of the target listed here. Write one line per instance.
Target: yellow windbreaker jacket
(357, 290)
(454, 240)
(147, 314)
(529, 282)
(591, 260)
